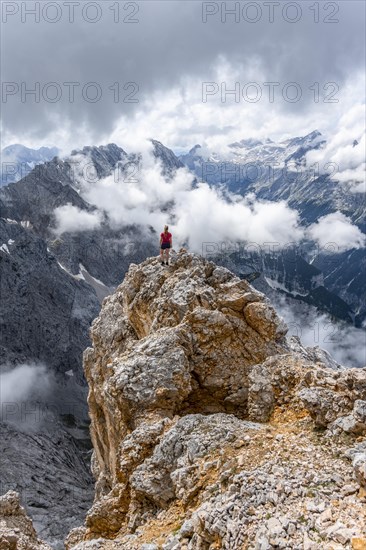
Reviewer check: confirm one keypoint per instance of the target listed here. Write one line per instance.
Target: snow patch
(64, 268)
(84, 271)
(100, 288)
(26, 223)
(4, 248)
(80, 275)
(279, 286)
(275, 284)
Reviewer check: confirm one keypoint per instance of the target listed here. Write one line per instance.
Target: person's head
(166, 229)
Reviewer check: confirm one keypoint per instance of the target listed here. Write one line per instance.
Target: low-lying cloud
(196, 213)
(345, 343)
(20, 388)
(345, 149)
(70, 218)
(336, 227)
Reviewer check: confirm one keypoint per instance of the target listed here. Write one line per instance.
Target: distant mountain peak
(194, 149)
(17, 161)
(169, 160)
(18, 148)
(313, 134)
(246, 143)
(110, 148)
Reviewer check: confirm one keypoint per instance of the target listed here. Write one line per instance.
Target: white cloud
(71, 218)
(337, 228)
(177, 116)
(195, 215)
(345, 343)
(341, 153)
(20, 388)
(18, 383)
(203, 215)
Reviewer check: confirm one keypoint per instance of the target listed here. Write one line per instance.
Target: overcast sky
(168, 50)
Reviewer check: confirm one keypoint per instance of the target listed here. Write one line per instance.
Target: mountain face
(56, 183)
(105, 253)
(344, 275)
(170, 163)
(46, 467)
(48, 309)
(203, 420)
(18, 161)
(278, 171)
(45, 317)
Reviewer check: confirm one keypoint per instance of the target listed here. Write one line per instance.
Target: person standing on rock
(165, 245)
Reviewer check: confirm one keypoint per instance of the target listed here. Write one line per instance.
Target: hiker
(165, 245)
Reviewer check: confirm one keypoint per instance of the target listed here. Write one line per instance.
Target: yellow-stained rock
(358, 543)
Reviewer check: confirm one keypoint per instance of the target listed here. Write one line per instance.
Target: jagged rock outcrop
(170, 163)
(203, 416)
(16, 528)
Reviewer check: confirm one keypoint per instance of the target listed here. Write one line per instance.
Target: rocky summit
(211, 429)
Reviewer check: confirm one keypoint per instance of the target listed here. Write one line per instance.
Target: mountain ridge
(17, 161)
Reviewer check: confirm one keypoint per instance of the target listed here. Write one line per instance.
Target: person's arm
(171, 241)
(161, 239)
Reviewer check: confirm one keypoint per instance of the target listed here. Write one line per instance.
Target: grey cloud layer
(169, 43)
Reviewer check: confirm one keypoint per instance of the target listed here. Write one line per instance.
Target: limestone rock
(334, 397)
(355, 422)
(173, 470)
(188, 364)
(16, 528)
(358, 456)
(167, 343)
